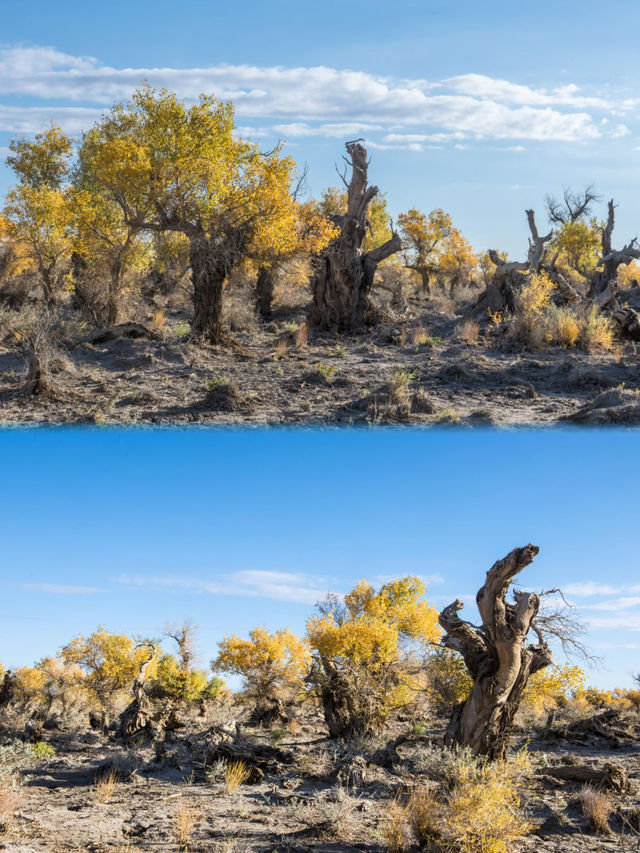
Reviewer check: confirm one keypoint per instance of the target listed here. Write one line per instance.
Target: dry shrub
(295, 336)
(596, 807)
(315, 764)
(185, 821)
(564, 327)
(419, 336)
(539, 323)
(597, 333)
(159, 319)
(468, 332)
(105, 785)
(332, 814)
(394, 827)
(225, 396)
(236, 773)
(476, 810)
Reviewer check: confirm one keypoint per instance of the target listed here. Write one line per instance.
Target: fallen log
(610, 776)
(121, 330)
(259, 758)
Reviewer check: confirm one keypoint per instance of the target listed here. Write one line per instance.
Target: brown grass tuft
(185, 821)
(236, 774)
(596, 807)
(105, 786)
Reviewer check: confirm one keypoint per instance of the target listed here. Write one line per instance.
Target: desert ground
(427, 364)
(309, 793)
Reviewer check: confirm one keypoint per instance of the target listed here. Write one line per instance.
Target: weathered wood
(342, 273)
(496, 656)
(122, 330)
(609, 776)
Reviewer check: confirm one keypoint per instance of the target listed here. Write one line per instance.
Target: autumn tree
(344, 272)
(172, 167)
(110, 663)
(38, 205)
(176, 676)
(107, 248)
(498, 655)
(272, 666)
(300, 230)
(434, 249)
(361, 668)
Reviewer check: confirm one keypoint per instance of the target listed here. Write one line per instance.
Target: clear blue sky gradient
(486, 186)
(178, 511)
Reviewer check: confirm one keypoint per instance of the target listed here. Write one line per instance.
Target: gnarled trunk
(343, 274)
(264, 292)
(496, 657)
(208, 271)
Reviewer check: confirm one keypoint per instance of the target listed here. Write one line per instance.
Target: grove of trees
(159, 194)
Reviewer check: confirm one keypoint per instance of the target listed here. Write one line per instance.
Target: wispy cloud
(590, 589)
(282, 586)
(60, 589)
(313, 101)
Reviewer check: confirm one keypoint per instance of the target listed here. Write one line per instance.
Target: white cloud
(60, 589)
(308, 101)
(591, 588)
(282, 586)
(481, 86)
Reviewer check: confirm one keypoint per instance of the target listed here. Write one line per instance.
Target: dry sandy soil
(389, 374)
(319, 799)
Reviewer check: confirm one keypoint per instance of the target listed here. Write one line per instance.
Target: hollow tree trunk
(264, 292)
(343, 274)
(499, 662)
(208, 270)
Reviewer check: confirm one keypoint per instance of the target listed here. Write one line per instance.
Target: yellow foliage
(268, 662)
(577, 246)
(479, 812)
(374, 622)
(551, 685)
(598, 332)
(434, 246)
(110, 661)
(628, 275)
(42, 161)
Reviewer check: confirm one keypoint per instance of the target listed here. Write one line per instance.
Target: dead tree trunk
(495, 654)
(343, 274)
(500, 295)
(137, 714)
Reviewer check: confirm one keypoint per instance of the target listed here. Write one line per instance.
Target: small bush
(185, 821)
(41, 749)
(393, 829)
(598, 332)
(105, 786)
(468, 332)
(596, 807)
(236, 774)
(477, 809)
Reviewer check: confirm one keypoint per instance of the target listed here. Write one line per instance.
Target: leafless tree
(342, 273)
(498, 654)
(574, 205)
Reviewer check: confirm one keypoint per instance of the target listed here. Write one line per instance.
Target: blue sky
(480, 108)
(132, 529)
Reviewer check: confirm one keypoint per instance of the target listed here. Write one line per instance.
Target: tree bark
(343, 274)
(496, 657)
(264, 292)
(209, 271)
